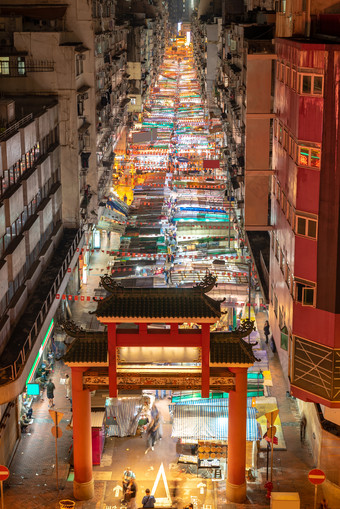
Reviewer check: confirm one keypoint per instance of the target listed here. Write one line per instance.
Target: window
(284, 204)
(80, 107)
(277, 249)
(4, 65)
(280, 134)
(293, 82)
(282, 72)
(311, 84)
(21, 66)
(133, 100)
(304, 292)
(282, 261)
(306, 226)
(290, 213)
(278, 192)
(287, 77)
(284, 338)
(275, 305)
(306, 84)
(288, 277)
(285, 139)
(79, 65)
(317, 85)
(309, 156)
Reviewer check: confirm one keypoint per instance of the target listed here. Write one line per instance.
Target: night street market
(168, 192)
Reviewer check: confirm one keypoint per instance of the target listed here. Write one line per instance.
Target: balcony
(15, 356)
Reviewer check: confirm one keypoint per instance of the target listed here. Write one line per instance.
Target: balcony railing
(12, 369)
(15, 127)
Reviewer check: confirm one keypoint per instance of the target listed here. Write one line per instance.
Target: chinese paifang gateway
(100, 358)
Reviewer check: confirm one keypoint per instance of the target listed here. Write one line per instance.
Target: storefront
(43, 363)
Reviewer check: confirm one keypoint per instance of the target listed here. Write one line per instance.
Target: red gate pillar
(237, 434)
(112, 343)
(205, 332)
(83, 485)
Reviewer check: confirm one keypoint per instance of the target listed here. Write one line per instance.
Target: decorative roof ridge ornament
(72, 329)
(75, 331)
(237, 336)
(207, 283)
(241, 332)
(110, 284)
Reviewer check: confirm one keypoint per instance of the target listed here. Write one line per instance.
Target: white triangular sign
(162, 502)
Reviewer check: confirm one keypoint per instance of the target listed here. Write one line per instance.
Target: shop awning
(209, 422)
(217, 401)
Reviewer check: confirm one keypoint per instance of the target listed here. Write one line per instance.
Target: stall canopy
(221, 399)
(208, 422)
(122, 416)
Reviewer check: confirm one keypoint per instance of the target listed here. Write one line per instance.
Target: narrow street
(179, 225)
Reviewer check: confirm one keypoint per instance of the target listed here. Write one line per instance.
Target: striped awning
(207, 401)
(208, 422)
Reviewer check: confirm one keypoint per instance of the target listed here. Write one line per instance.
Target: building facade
(304, 269)
(38, 254)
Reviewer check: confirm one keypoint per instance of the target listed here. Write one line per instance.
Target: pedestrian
(266, 330)
(159, 431)
(68, 386)
(151, 434)
(127, 476)
(148, 500)
(130, 495)
(323, 504)
(154, 411)
(50, 393)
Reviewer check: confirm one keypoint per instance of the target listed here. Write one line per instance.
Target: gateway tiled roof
(158, 303)
(225, 348)
(91, 349)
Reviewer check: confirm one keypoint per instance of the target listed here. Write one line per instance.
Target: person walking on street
(266, 330)
(50, 393)
(323, 504)
(152, 433)
(148, 500)
(68, 386)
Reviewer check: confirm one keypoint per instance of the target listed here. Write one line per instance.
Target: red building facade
(305, 262)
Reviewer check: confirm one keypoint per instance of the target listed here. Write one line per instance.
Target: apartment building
(38, 255)
(64, 110)
(304, 269)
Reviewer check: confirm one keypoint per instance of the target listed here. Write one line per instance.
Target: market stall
(201, 427)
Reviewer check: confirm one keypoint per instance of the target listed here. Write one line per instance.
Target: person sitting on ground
(148, 500)
(323, 504)
(130, 495)
(24, 422)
